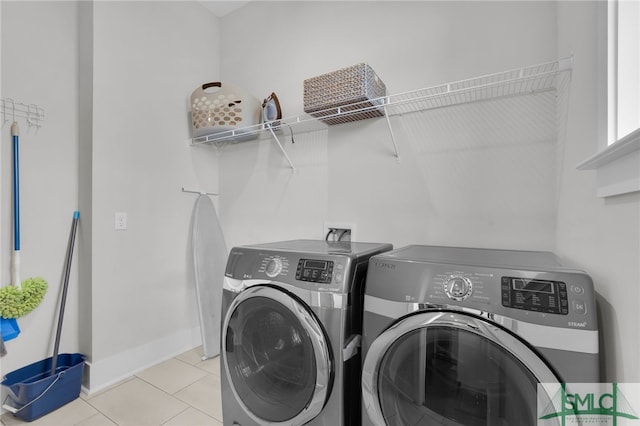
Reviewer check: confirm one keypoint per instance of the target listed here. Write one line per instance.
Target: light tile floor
(183, 391)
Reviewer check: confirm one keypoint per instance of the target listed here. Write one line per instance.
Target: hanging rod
(193, 191)
(11, 109)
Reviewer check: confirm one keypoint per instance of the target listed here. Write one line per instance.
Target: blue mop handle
(16, 188)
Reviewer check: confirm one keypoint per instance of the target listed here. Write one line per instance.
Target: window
(618, 163)
(623, 28)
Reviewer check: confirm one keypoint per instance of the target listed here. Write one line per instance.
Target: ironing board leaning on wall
(209, 261)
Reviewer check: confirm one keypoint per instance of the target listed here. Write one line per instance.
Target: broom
(19, 298)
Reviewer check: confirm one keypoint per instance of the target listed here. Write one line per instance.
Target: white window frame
(618, 161)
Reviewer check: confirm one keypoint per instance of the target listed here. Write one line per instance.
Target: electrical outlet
(339, 231)
(120, 221)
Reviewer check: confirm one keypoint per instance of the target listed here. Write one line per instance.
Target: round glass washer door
(276, 357)
(450, 368)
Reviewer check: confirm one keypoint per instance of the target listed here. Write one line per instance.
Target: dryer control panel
(318, 266)
(314, 270)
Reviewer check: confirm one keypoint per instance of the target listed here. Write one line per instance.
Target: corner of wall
(85, 167)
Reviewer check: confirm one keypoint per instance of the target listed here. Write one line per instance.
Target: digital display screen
(315, 264)
(316, 271)
(532, 285)
(535, 295)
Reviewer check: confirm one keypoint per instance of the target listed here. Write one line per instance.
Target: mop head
(16, 302)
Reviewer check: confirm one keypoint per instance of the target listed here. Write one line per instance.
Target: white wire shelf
(299, 124)
(522, 81)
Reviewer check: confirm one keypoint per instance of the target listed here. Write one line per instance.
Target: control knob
(458, 287)
(274, 267)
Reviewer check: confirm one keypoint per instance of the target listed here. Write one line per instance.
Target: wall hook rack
(11, 110)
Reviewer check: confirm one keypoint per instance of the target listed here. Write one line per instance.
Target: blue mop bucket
(32, 391)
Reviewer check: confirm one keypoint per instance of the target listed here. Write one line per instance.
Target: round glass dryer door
(449, 368)
(276, 357)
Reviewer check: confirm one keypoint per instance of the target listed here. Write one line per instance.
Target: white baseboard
(102, 373)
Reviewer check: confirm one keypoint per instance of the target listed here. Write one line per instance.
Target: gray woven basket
(345, 95)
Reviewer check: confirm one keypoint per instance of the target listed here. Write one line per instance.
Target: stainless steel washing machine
(291, 332)
(462, 336)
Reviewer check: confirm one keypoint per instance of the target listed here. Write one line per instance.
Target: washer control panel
(458, 287)
(535, 295)
(482, 287)
(314, 270)
(533, 288)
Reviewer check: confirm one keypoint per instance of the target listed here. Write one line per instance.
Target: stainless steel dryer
(291, 332)
(461, 336)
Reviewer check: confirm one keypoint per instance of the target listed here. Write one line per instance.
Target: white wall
(600, 235)
(479, 175)
(139, 63)
(148, 58)
(466, 177)
(39, 65)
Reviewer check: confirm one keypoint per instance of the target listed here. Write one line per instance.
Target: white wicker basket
(217, 107)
